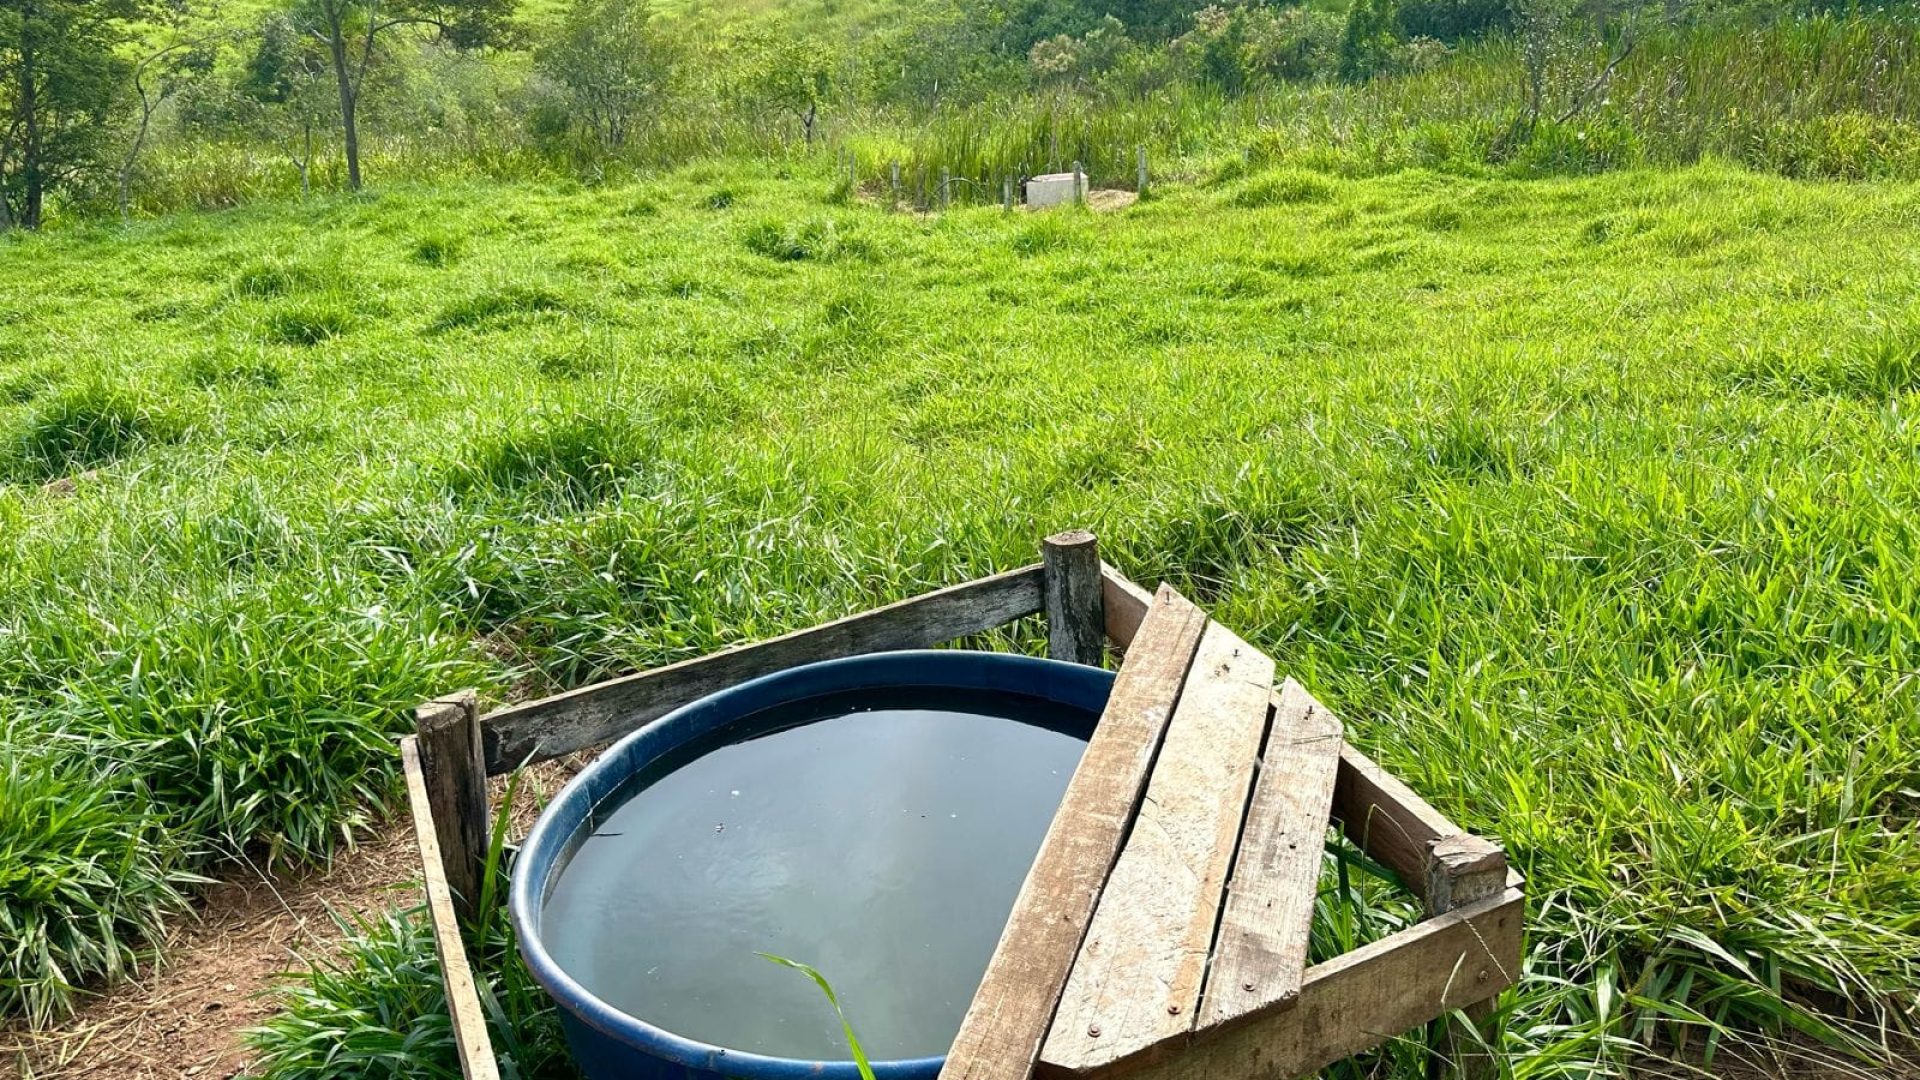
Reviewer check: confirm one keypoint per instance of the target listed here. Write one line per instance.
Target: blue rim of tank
(549, 845)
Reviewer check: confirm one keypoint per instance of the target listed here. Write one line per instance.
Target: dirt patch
(1110, 199)
(182, 1019)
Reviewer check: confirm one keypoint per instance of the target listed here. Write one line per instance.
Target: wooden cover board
(1135, 985)
(1261, 954)
(1001, 1034)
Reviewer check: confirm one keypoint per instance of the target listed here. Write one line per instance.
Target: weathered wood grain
(1387, 819)
(448, 730)
(1075, 607)
(1360, 1000)
(1463, 870)
(597, 714)
(463, 998)
(1261, 954)
(1135, 986)
(1126, 604)
(1001, 1034)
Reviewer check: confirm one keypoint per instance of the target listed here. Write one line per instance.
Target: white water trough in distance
(1054, 189)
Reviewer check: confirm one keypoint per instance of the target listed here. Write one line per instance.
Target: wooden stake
(945, 180)
(1140, 154)
(1079, 183)
(1076, 609)
(1463, 870)
(455, 774)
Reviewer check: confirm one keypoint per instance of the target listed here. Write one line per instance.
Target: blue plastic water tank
(609, 1044)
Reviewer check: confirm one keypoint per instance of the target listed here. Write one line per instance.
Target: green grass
(826, 989)
(1590, 503)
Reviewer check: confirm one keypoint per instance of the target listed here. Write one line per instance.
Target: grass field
(1591, 504)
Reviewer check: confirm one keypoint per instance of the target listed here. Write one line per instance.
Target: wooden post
(896, 183)
(1079, 183)
(1140, 155)
(1006, 195)
(945, 179)
(465, 1014)
(455, 772)
(1076, 607)
(1461, 870)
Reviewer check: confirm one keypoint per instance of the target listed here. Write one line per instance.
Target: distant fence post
(896, 183)
(1079, 183)
(1006, 195)
(946, 179)
(1140, 155)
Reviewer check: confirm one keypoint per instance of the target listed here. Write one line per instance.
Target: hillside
(1589, 502)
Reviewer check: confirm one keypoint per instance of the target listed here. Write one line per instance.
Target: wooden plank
(1135, 987)
(1360, 1000)
(1075, 608)
(1001, 1033)
(449, 747)
(1386, 819)
(1261, 954)
(597, 714)
(1126, 604)
(463, 998)
(1463, 870)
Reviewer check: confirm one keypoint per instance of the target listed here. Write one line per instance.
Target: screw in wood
(1093, 1031)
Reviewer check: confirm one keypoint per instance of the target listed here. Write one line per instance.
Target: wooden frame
(1455, 962)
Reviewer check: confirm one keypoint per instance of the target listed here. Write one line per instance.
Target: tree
(610, 65)
(281, 92)
(61, 76)
(1372, 36)
(788, 74)
(351, 30)
(156, 79)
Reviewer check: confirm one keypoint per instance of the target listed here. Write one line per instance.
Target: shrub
(1371, 38)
